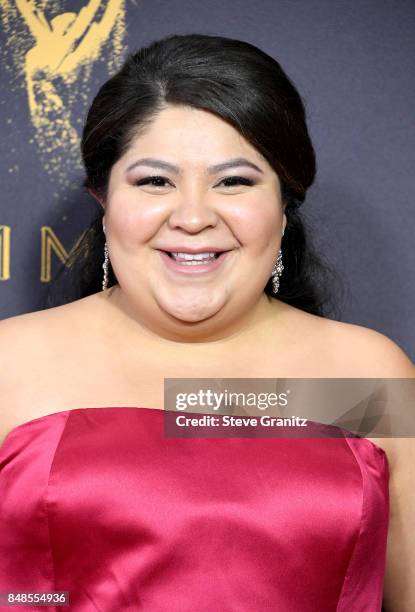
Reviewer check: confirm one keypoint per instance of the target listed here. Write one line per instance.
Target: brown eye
(237, 180)
(153, 180)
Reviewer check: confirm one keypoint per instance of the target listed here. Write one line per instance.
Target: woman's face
(192, 205)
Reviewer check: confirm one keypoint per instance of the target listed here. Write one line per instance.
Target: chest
(83, 376)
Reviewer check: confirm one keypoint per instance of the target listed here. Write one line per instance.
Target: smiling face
(189, 206)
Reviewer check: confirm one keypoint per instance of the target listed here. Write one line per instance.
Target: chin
(191, 311)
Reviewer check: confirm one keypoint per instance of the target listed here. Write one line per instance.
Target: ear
(96, 197)
(284, 222)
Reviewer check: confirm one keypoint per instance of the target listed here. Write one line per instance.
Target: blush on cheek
(131, 223)
(257, 230)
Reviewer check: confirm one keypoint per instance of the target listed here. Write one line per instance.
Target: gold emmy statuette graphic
(56, 54)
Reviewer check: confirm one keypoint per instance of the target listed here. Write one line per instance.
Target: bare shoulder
(41, 333)
(374, 354)
(22, 340)
(22, 337)
(350, 350)
(33, 347)
(25, 338)
(334, 349)
(25, 335)
(47, 325)
(342, 349)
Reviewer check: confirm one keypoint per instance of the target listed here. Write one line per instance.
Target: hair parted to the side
(240, 84)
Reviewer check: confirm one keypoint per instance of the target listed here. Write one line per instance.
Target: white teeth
(193, 263)
(194, 256)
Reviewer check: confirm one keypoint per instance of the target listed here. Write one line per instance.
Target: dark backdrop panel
(353, 65)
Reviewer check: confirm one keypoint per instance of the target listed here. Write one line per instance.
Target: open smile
(193, 264)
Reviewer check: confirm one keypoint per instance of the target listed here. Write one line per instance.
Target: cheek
(133, 220)
(257, 224)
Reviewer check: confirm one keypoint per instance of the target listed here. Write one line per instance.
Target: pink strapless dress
(100, 503)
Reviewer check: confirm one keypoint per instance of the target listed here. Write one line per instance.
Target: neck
(151, 327)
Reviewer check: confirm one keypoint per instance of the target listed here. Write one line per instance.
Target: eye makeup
(234, 180)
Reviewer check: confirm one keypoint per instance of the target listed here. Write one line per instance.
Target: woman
(197, 146)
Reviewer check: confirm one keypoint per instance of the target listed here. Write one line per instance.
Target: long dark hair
(242, 85)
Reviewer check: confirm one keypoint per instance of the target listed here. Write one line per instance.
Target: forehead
(191, 134)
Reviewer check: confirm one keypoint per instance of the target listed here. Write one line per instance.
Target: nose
(192, 214)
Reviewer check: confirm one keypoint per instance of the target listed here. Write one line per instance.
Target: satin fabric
(98, 502)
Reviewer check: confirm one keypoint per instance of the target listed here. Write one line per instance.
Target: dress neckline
(143, 409)
(138, 409)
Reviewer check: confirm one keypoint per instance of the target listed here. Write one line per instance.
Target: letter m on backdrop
(50, 244)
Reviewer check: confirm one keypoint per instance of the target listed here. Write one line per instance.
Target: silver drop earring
(276, 272)
(105, 264)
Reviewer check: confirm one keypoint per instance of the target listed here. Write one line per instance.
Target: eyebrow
(158, 163)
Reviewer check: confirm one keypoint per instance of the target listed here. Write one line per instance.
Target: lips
(179, 253)
(193, 267)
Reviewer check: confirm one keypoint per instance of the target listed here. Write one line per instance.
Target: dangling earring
(277, 269)
(276, 272)
(105, 264)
